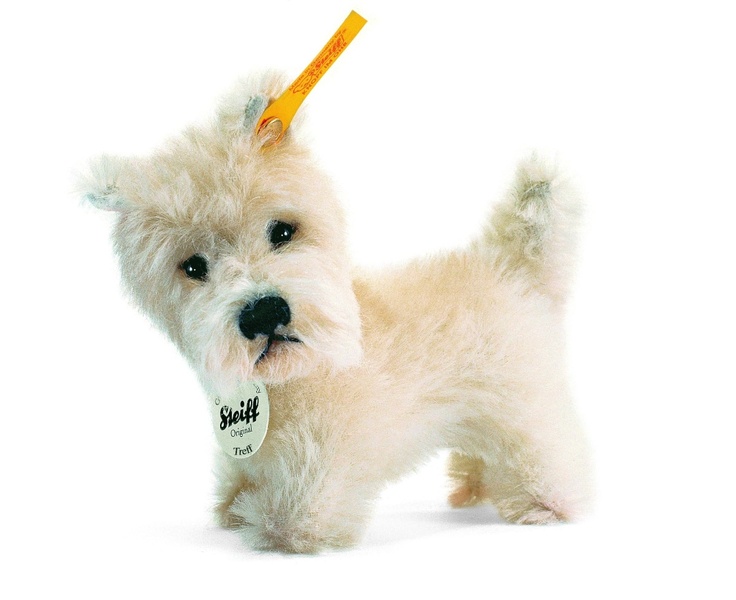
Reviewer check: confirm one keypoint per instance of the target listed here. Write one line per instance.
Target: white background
(106, 446)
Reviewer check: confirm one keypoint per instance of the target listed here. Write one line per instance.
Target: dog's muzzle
(263, 317)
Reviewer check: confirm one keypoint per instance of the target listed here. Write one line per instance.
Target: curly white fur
(462, 351)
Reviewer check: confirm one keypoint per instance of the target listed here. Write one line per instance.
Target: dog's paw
(273, 524)
(225, 518)
(307, 537)
(301, 540)
(532, 512)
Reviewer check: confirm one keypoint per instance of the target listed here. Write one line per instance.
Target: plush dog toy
(237, 251)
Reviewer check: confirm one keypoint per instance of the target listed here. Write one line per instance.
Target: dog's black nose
(263, 316)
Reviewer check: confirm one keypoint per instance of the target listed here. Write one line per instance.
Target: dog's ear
(101, 185)
(241, 109)
(254, 108)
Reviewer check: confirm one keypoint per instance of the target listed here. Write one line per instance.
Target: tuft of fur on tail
(534, 230)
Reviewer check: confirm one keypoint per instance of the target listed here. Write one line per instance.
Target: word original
(241, 432)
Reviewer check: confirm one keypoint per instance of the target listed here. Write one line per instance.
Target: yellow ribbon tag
(277, 117)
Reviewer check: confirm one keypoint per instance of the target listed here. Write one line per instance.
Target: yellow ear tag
(277, 117)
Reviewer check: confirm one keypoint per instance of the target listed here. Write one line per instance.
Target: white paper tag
(241, 421)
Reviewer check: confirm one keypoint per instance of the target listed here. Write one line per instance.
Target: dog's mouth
(273, 342)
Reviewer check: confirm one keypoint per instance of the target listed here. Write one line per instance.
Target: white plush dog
(237, 251)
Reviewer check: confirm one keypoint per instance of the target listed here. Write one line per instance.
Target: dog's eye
(280, 233)
(195, 267)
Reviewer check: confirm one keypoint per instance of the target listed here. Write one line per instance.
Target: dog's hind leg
(519, 489)
(470, 477)
(531, 461)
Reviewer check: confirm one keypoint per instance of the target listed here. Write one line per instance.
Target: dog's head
(237, 251)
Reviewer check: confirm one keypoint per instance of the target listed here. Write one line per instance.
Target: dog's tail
(534, 230)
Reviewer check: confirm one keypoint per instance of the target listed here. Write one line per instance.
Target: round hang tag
(241, 421)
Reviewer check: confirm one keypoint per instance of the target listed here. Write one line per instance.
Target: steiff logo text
(248, 413)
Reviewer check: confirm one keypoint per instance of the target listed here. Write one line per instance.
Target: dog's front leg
(306, 490)
(231, 482)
